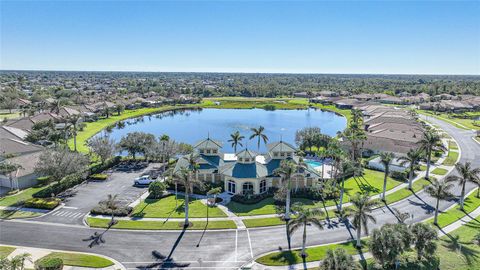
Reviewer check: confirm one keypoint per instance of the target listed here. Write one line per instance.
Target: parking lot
(81, 199)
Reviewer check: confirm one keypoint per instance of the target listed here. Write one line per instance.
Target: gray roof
(208, 143)
(250, 170)
(280, 146)
(246, 154)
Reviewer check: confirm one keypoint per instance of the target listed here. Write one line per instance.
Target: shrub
(49, 264)
(98, 168)
(252, 199)
(102, 209)
(42, 203)
(99, 176)
(43, 181)
(269, 107)
(402, 176)
(156, 190)
(207, 186)
(67, 182)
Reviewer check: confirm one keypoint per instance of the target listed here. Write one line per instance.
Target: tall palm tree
(18, 262)
(322, 154)
(336, 153)
(361, 210)
(286, 171)
(357, 117)
(355, 136)
(440, 190)
(236, 139)
(72, 122)
(260, 134)
(346, 167)
(386, 158)
(192, 160)
(305, 216)
(466, 174)
(431, 142)
(7, 168)
(112, 204)
(413, 157)
(184, 178)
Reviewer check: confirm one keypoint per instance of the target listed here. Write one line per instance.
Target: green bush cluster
(99, 176)
(156, 189)
(102, 209)
(202, 191)
(67, 182)
(49, 264)
(42, 203)
(43, 181)
(402, 176)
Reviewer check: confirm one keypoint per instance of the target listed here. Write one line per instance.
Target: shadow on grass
(454, 244)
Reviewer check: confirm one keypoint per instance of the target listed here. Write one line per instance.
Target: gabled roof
(208, 143)
(246, 154)
(239, 170)
(280, 146)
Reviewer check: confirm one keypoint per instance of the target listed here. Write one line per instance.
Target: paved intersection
(216, 249)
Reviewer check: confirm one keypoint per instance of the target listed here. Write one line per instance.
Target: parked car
(143, 180)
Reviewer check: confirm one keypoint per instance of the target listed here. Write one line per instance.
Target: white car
(143, 180)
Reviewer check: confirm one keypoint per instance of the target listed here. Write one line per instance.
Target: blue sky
(408, 37)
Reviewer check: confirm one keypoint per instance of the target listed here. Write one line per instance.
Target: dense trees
(136, 143)
(103, 147)
(58, 163)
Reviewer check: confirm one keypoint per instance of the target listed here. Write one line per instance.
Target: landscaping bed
(440, 171)
(81, 260)
(160, 225)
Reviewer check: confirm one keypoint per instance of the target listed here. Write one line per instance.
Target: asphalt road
(217, 249)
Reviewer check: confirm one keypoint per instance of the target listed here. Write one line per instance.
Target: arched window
(263, 186)
(247, 188)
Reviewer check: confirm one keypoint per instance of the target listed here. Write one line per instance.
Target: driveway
(82, 198)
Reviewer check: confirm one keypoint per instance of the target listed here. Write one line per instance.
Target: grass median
(451, 158)
(81, 260)
(5, 251)
(440, 171)
(160, 225)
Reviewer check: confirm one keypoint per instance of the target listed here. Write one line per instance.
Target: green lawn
(451, 119)
(160, 225)
(405, 192)
(8, 214)
(263, 222)
(19, 197)
(8, 115)
(452, 145)
(314, 254)
(93, 128)
(82, 260)
(371, 181)
(165, 207)
(454, 214)
(451, 158)
(5, 251)
(466, 258)
(439, 171)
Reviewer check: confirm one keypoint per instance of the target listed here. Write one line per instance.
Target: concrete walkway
(38, 253)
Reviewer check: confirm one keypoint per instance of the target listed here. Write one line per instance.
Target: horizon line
(236, 72)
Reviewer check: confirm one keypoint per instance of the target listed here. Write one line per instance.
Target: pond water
(191, 126)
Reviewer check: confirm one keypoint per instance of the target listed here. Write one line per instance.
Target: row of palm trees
(259, 133)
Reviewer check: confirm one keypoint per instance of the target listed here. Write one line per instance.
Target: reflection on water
(192, 125)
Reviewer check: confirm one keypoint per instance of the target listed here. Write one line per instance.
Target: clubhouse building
(247, 171)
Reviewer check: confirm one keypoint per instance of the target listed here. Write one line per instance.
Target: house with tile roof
(246, 171)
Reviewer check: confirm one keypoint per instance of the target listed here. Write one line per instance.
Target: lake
(191, 126)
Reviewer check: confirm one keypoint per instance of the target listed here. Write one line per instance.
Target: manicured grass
(7, 115)
(160, 225)
(439, 171)
(423, 167)
(466, 258)
(82, 260)
(8, 214)
(451, 158)
(19, 197)
(165, 207)
(405, 192)
(452, 145)
(263, 222)
(371, 181)
(314, 254)
(93, 128)
(5, 251)
(451, 119)
(454, 214)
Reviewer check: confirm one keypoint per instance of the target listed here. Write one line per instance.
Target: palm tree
(73, 121)
(286, 171)
(259, 133)
(112, 204)
(322, 154)
(9, 168)
(386, 158)
(361, 210)
(305, 216)
(184, 178)
(431, 142)
(339, 259)
(466, 174)
(346, 167)
(18, 262)
(355, 136)
(413, 157)
(441, 191)
(236, 139)
(357, 117)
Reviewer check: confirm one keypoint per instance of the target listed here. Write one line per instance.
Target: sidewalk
(38, 253)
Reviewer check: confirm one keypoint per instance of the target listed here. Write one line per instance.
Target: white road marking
(250, 244)
(236, 241)
(70, 207)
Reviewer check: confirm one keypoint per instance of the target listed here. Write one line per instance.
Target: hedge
(40, 203)
(49, 264)
(101, 209)
(99, 176)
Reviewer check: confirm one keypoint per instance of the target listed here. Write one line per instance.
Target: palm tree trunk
(304, 240)
(186, 207)
(75, 141)
(429, 156)
(287, 205)
(410, 178)
(462, 196)
(359, 234)
(342, 191)
(385, 183)
(435, 220)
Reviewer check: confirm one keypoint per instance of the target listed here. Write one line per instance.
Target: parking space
(81, 199)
